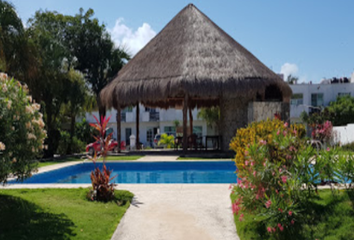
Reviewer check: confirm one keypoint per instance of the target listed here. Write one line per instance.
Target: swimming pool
(144, 172)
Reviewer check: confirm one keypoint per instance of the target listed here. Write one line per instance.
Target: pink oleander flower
(268, 203)
(264, 164)
(273, 173)
(230, 187)
(290, 213)
(263, 142)
(246, 152)
(269, 229)
(286, 124)
(278, 132)
(280, 170)
(241, 217)
(284, 133)
(328, 149)
(254, 173)
(246, 163)
(276, 190)
(280, 210)
(252, 163)
(292, 222)
(281, 228)
(274, 229)
(284, 178)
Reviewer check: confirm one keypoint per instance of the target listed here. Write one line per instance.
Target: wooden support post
(119, 136)
(190, 121)
(137, 127)
(185, 137)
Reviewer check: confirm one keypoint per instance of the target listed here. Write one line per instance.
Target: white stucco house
(151, 122)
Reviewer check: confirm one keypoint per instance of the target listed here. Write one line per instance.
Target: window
(341, 94)
(152, 110)
(317, 99)
(198, 130)
(297, 99)
(170, 130)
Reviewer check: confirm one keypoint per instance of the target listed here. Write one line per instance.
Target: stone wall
(258, 111)
(233, 115)
(238, 112)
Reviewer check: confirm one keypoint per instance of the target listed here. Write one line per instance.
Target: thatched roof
(193, 56)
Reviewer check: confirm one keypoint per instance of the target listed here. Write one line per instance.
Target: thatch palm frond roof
(193, 56)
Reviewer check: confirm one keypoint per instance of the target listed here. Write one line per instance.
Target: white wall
(330, 93)
(345, 133)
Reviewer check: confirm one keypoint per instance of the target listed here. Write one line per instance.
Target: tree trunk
(72, 133)
(185, 137)
(137, 127)
(118, 118)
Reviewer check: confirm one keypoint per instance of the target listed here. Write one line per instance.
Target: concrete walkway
(177, 212)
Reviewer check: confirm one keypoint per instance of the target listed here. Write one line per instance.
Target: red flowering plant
(272, 184)
(102, 189)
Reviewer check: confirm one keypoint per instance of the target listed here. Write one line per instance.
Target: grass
(203, 158)
(328, 218)
(109, 158)
(58, 214)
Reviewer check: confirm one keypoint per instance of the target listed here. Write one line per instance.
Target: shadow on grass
(20, 219)
(328, 216)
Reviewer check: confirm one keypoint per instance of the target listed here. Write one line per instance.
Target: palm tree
(292, 79)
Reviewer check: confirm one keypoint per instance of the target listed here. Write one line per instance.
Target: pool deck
(167, 211)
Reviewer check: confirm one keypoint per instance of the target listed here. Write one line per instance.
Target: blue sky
(308, 38)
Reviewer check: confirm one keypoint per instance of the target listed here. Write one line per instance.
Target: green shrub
(280, 176)
(77, 146)
(21, 130)
(256, 131)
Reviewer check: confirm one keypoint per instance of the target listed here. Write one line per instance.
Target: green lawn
(109, 158)
(58, 214)
(327, 219)
(203, 158)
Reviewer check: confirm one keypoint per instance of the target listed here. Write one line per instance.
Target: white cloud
(126, 37)
(289, 68)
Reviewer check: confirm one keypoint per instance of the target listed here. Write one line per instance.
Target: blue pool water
(145, 172)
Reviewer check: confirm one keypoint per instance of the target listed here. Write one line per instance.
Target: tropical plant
(21, 130)
(211, 116)
(102, 189)
(96, 55)
(292, 79)
(256, 131)
(342, 110)
(167, 140)
(278, 179)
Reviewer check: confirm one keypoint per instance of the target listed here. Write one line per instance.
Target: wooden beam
(137, 127)
(119, 135)
(190, 121)
(185, 137)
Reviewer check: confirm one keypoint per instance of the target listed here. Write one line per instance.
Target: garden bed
(58, 214)
(327, 218)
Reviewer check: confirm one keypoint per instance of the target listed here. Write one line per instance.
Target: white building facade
(151, 122)
(309, 97)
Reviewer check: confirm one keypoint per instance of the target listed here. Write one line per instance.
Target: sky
(311, 39)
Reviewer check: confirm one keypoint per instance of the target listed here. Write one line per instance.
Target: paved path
(177, 212)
